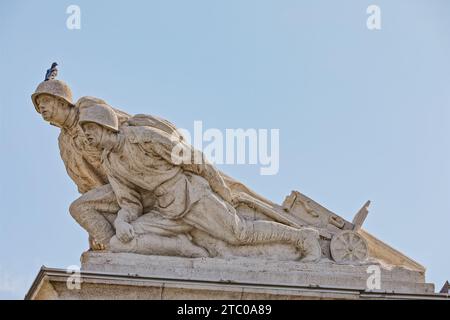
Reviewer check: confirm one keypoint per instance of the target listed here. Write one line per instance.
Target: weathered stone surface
(324, 274)
(131, 276)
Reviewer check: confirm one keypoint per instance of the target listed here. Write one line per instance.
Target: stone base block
(130, 276)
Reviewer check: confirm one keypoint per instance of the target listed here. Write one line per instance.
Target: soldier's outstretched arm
(128, 199)
(131, 208)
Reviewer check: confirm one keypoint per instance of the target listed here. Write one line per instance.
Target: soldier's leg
(154, 222)
(219, 219)
(94, 210)
(153, 244)
(159, 236)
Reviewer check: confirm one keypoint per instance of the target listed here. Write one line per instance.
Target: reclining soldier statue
(141, 160)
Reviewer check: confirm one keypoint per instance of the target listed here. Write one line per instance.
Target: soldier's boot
(97, 226)
(260, 232)
(309, 245)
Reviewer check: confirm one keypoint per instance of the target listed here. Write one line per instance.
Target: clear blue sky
(362, 114)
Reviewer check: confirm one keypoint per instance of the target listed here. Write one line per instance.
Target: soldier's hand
(237, 198)
(96, 246)
(227, 195)
(124, 231)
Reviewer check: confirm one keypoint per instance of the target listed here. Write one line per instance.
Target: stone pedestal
(131, 276)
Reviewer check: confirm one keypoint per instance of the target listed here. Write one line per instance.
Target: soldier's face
(93, 133)
(47, 106)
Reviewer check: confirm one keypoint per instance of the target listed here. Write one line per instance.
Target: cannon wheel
(348, 247)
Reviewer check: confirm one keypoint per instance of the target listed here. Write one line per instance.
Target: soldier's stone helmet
(55, 88)
(101, 114)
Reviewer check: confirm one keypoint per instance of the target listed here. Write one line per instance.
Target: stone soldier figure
(96, 209)
(139, 160)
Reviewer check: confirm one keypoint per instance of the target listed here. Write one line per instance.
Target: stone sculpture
(140, 160)
(138, 197)
(154, 207)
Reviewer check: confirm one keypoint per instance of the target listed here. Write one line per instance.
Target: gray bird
(52, 72)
